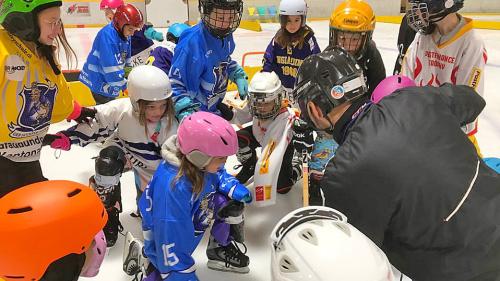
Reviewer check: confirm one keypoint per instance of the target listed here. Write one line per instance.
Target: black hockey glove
(303, 138)
(86, 115)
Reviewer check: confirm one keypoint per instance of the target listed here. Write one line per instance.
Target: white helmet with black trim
(316, 243)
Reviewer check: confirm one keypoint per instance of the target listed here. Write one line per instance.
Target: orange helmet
(355, 20)
(43, 222)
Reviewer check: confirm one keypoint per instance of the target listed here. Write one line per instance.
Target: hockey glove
(82, 114)
(240, 78)
(127, 70)
(57, 141)
(184, 107)
(303, 138)
(152, 34)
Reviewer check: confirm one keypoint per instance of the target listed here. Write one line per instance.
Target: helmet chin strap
(330, 129)
(47, 52)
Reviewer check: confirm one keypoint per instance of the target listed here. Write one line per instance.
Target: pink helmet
(95, 256)
(389, 85)
(110, 4)
(203, 135)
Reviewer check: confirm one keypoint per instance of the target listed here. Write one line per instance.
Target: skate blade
(221, 266)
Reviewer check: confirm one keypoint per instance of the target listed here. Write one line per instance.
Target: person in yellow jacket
(33, 92)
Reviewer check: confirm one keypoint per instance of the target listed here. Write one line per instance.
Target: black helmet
(328, 79)
(423, 14)
(233, 7)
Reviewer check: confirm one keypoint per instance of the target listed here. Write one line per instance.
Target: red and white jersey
(459, 60)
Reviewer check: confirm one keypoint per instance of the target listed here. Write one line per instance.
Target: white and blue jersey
(201, 67)
(174, 218)
(103, 72)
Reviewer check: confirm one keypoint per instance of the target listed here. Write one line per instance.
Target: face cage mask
(107, 181)
(420, 20)
(363, 38)
(214, 25)
(301, 216)
(258, 98)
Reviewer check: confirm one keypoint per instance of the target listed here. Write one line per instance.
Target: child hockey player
(272, 120)
(202, 61)
(104, 70)
(34, 93)
(134, 128)
(293, 42)
(142, 40)
(351, 27)
(189, 191)
(161, 56)
(445, 50)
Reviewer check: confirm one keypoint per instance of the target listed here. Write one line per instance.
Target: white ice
(77, 164)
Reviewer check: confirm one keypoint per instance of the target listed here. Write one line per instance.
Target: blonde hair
(68, 51)
(192, 173)
(169, 113)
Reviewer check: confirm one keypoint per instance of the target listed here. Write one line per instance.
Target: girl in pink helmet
(189, 191)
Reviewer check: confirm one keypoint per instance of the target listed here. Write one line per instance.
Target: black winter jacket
(400, 177)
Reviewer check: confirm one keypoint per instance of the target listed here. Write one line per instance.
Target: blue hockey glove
(240, 78)
(184, 107)
(152, 34)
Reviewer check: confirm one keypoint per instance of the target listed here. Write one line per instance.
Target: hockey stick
(305, 178)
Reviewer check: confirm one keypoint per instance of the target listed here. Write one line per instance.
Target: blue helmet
(423, 14)
(493, 163)
(175, 31)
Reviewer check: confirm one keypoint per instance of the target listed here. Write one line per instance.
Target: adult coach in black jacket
(405, 174)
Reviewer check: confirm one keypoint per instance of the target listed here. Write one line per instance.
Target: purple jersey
(139, 40)
(285, 62)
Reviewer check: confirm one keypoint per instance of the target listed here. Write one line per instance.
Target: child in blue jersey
(104, 70)
(189, 191)
(161, 56)
(202, 62)
(293, 42)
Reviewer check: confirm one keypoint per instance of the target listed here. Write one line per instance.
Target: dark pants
(15, 175)
(100, 99)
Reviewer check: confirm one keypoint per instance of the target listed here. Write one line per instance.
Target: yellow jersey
(32, 97)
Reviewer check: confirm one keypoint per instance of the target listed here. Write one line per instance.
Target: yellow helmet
(352, 16)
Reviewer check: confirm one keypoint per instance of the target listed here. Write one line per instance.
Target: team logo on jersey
(475, 77)
(205, 214)
(15, 68)
(337, 92)
(220, 83)
(36, 111)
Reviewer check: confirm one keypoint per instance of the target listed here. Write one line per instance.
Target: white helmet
(292, 8)
(147, 82)
(265, 87)
(317, 243)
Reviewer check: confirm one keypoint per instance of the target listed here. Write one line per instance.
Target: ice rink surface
(78, 165)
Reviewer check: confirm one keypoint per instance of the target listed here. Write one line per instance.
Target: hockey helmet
(175, 30)
(128, 14)
(44, 222)
(423, 14)
(292, 8)
(389, 85)
(110, 4)
(317, 243)
(265, 94)
(203, 135)
(212, 10)
(328, 79)
(19, 17)
(351, 26)
(147, 82)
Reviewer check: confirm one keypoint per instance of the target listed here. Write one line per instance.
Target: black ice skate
(112, 227)
(227, 258)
